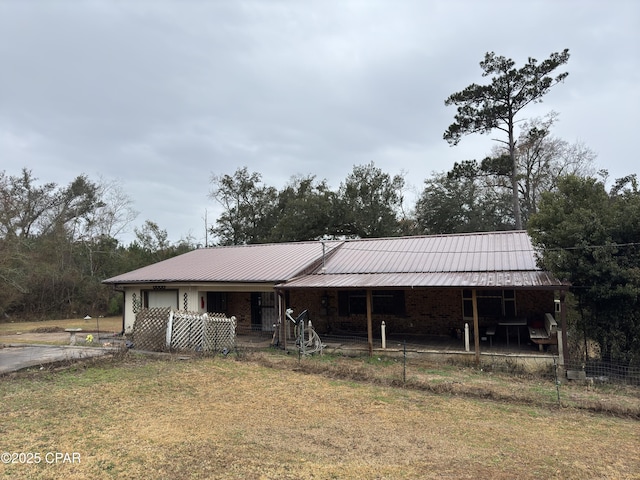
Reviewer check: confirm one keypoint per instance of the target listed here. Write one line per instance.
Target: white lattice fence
(208, 332)
(184, 331)
(165, 329)
(219, 332)
(149, 329)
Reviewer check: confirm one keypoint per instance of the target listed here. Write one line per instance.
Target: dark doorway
(256, 311)
(217, 302)
(264, 314)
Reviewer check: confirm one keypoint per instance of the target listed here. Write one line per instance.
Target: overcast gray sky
(158, 95)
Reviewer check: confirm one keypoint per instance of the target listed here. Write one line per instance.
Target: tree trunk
(514, 179)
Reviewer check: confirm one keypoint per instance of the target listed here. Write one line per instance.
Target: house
(419, 285)
(236, 280)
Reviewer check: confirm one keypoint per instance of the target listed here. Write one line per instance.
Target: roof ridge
(436, 235)
(300, 242)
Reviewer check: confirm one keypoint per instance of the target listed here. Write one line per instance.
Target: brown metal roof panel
(246, 263)
(447, 254)
(440, 253)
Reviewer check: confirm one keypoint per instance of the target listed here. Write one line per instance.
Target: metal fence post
(404, 363)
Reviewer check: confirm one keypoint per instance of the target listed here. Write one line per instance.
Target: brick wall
(428, 311)
(239, 304)
(533, 304)
(320, 315)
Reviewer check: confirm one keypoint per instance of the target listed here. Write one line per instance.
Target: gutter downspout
(124, 304)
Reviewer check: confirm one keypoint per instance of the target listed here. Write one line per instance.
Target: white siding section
(132, 302)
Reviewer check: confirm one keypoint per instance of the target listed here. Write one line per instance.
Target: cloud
(159, 95)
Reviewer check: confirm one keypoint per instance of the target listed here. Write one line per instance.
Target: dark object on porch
(545, 335)
(490, 332)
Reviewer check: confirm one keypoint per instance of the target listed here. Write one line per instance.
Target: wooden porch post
(369, 321)
(283, 321)
(476, 330)
(563, 326)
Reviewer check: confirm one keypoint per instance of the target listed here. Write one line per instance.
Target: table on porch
(512, 322)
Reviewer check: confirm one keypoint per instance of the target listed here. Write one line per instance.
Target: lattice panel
(149, 329)
(186, 331)
(136, 303)
(219, 333)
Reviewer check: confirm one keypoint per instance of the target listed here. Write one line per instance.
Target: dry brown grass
(220, 418)
(52, 331)
(456, 379)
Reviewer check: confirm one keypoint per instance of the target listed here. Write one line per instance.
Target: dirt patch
(109, 324)
(47, 330)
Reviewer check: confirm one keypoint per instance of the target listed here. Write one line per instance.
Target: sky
(158, 96)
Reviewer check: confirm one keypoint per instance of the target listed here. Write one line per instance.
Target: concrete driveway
(16, 357)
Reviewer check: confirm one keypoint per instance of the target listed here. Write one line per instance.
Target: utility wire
(512, 250)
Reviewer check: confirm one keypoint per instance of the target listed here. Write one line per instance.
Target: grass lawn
(41, 331)
(217, 417)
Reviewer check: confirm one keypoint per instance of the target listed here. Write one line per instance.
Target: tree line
(473, 196)
(57, 244)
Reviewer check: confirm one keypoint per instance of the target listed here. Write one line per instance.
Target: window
(160, 298)
(509, 300)
(384, 302)
(491, 303)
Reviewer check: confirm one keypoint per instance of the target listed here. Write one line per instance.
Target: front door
(264, 313)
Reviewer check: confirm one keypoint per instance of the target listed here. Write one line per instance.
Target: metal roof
(491, 259)
(268, 263)
(474, 252)
(513, 279)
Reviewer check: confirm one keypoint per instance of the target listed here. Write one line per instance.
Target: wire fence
(597, 371)
(525, 377)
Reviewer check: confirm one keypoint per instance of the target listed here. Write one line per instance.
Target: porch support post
(279, 337)
(283, 321)
(563, 326)
(476, 330)
(370, 321)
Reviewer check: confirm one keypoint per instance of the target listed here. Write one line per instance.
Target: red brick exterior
(533, 304)
(239, 305)
(428, 311)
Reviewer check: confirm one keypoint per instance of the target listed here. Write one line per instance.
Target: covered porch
(431, 319)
